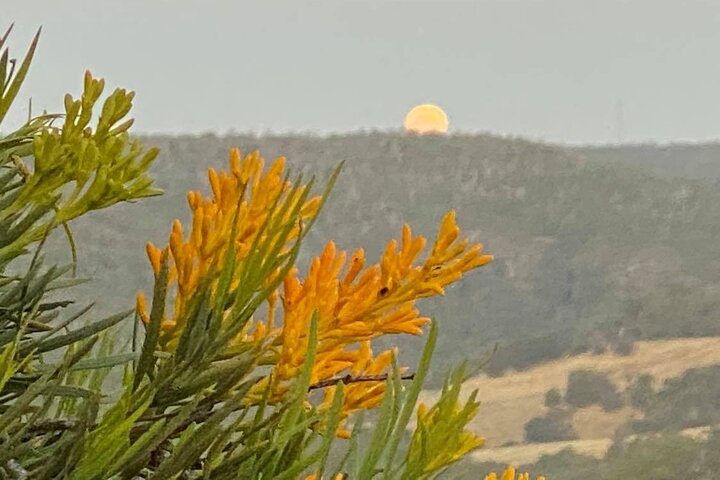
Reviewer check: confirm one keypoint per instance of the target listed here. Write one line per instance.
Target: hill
(590, 255)
(680, 370)
(511, 400)
(692, 160)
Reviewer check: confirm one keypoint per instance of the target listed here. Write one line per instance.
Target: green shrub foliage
(553, 398)
(587, 388)
(556, 426)
(207, 389)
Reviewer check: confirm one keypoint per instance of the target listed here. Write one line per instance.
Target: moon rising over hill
(426, 119)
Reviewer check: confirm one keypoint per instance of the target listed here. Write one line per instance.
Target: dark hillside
(698, 161)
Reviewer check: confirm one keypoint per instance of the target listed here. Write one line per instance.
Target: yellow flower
(509, 474)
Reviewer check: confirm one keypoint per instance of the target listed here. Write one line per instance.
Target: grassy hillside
(589, 254)
(509, 401)
(679, 369)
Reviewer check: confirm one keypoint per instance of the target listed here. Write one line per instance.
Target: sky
(567, 71)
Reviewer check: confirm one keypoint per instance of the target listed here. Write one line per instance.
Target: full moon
(426, 119)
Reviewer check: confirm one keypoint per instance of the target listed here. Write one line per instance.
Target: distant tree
(554, 427)
(641, 392)
(587, 388)
(692, 400)
(553, 398)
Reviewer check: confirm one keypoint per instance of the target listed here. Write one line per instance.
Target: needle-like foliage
(240, 367)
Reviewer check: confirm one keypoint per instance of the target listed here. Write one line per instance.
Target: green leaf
(8, 365)
(333, 423)
(411, 397)
(383, 428)
(76, 335)
(8, 94)
(96, 363)
(152, 333)
(135, 458)
(190, 448)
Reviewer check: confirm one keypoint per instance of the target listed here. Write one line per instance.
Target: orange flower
(241, 201)
(509, 474)
(363, 304)
(254, 210)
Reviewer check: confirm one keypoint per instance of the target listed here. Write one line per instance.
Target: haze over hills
(687, 160)
(590, 254)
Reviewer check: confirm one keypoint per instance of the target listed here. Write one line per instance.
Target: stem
(347, 379)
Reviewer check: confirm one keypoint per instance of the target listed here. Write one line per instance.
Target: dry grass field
(508, 402)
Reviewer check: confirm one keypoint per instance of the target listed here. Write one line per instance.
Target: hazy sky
(559, 70)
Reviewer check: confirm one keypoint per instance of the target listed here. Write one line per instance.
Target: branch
(347, 379)
(49, 426)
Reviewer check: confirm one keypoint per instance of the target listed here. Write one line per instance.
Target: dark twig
(54, 426)
(347, 379)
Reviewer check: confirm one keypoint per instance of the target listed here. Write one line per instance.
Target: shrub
(239, 367)
(641, 392)
(587, 388)
(524, 353)
(554, 427)
(569, 465)
(553, 398)
(666, 455)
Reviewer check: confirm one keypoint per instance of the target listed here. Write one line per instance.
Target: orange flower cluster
(366, 303)
(354, 303)
(240, 201)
